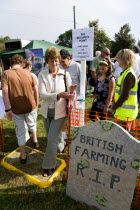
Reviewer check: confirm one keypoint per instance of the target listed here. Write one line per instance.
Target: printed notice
(82, 44)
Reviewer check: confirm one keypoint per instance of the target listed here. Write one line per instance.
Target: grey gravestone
(103, 167)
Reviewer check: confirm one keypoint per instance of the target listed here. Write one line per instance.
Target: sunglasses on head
(106, 53)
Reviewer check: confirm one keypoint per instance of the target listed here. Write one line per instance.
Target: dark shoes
(48, 172)
(35, 144)
(23, 161)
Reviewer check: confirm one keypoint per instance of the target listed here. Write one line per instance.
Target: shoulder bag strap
(65, 81)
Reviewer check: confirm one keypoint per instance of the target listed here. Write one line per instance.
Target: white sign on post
(82, 50)
(82, 44)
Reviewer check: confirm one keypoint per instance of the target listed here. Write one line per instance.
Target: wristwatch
(7, 110)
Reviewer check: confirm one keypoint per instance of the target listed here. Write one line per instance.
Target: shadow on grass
(32, 197)
(18, 194)
(10, 140)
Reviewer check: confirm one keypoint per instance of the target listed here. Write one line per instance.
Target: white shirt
(53, 85)
(2, 107)
(47, 96)
(74, 70)
(136, 68)
(117, 70)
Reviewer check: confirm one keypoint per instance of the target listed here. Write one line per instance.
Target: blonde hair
(27, 63)
(127, 56)
(52, 53)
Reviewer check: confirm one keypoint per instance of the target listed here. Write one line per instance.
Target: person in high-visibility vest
(125, 105)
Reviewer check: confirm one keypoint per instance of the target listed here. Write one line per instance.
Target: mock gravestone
(103, 166)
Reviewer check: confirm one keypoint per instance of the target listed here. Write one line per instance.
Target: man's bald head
(105, 52)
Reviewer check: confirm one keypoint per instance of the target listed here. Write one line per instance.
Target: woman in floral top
(104, 90)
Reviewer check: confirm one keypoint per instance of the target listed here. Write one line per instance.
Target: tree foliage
(123, 39)
(100, 37)
(65, 39)
(2, 40)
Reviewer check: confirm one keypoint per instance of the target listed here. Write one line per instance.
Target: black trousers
(96, 113)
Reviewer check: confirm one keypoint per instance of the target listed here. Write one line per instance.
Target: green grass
(17, 193)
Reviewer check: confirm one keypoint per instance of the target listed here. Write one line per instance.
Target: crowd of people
(115, 88)
(121, 93)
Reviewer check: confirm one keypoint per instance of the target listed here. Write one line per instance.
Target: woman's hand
(105, 110)
(111, 108)
(65, 95)
(73, 87)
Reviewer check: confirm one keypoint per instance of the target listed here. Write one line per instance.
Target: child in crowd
(28, 66)
(104, 90)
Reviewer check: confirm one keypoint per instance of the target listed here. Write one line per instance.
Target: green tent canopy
(34, 44)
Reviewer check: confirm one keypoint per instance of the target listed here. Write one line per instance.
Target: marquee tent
(34, 44)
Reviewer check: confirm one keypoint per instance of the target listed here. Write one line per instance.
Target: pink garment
(73, 112)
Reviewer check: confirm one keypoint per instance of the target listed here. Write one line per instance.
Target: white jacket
(46, 95)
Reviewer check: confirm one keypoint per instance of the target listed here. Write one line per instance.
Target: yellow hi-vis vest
(128, 111)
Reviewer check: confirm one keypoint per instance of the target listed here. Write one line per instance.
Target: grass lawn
(17, 193)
